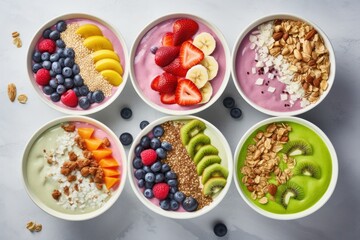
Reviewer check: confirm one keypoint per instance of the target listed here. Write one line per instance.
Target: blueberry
(141, 183)
(143, 124)
(166, 145)
(165, 204)
(149, 177)
(53, 83)
(138, 150)
(165, 168)
(69, 83)
(156, 167)
(84, 102)
(54, 57)
(36, 67)
(76, 90)
(159, 177)
(126, 138)
(55, 97)
(69, 52)
(161, 153)
(158, 131)
(62, 62)
(229, 102)
(84, 90)
(179, 196)
(46, 65)
(235, 112)
(174, 189)
(137, 163)
(170, 175)
(153, 49)
(220, 229)
(75, 69)
(60, 89)
(60, 43)
(66, 72)
(46, 33)
(45, 56)
(145, 142)
(98, 96)
(148, 193)
(61, 26)
(69, 62)
(78, 81)
(155, 143)
(89, 96)
(52, 73)
(54, 35)
(56, 67)
(170, 196)
(149, 185)
(147, 169)
(174, 205)
(126, 113)
(139, 174)
(60, 51)
(36, 57)
(60, 79)
(172, 182)
(190, 204)
(48, 90)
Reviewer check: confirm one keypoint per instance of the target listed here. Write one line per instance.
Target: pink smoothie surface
(146, 70)
(259, 95)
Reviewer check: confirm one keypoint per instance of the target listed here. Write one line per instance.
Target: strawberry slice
(168, 39)
(167, 98)
(155, 83)
(187, 93)
(190, 55)
(167, 83)
(165, 55)
(183, 30)
(175, 68)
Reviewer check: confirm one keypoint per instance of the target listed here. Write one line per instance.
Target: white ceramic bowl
(237, 79)
(115, 145)
(217, 139)
(142, 84)
(121, 51)
(320, 202)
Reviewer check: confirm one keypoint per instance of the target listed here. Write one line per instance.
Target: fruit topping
(168, 39)
(205, 42)
(190, 204)
(85, 133)
(211, 65)
(165, 55)
(47, 45)
(287, 191)
(297, 147)
(42, 77)
(96, 43)
(183, 30)
(111, 182)
(176, 68)
(190, 55)
(69, 98)
(187, 93)
(214, 185)
(167, 98)
(167, 83)
(198, 74)
(206, 92)
(161, 190)
(148, 157)
(88, 30)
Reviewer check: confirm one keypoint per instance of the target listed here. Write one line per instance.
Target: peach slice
(110, 172)
(101, 153)
(108, 162)
(85, 133)
(93, 143)
(111, 182)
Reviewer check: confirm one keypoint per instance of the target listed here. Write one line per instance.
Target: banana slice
(211, 66)
(205, 42)
(206, 92)
(198, 75)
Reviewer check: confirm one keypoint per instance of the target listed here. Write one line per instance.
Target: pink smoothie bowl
(244, 60)
(119, 48)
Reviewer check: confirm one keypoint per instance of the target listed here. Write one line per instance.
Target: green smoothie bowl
(285, 168)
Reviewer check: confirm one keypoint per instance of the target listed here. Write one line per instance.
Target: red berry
(190, 55)
(42, 77)
(176, 68)
(183, 30)
(165, 55)
(161, 190)
(167, 83)
(69, 98)
(187, 93)
(154, 83)
(167, 98)
(47, 45)
(148, 156)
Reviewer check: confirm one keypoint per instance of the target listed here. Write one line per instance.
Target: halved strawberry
(168, 39)
(187, 93)
(167, 98)
(167, 83)
(175, 68)
(165, 55)
(155, 83)
(184, 29)
(190, 55)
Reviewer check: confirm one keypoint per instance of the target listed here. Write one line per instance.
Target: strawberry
(69, 98)
(47, 45)
(165, 55)
(42, 77)
(187, 93)
(168, 39)
(175, 68)
(148, 156)
(183, 30)
(190, 55)
(167, 83)
(167, 98)
(154, 83)
(161, 190)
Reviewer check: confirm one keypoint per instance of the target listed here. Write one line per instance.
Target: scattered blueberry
(161, 153)
(149, 185)
(149, 177)
(55, 97)
(46, 33)
(153, 49)
(155, 143)
(98, 96)
(190, 204)
(45, 56)
(170, 175)
(156, 167)
(174, 205)
(139, 174)
(48, 90)
(148, 193)
(77, 92)
(179, 196)
(60, 43)
(172, 182)
(46, 65)
(165, 168)
(126, 113)
(220, 229)
(78, 81)
(137, 163)
(61, 26)
(69, 62)
(158, 131)
(54, 57)
(53, 83)
(159, 177)
(147, 169)
(166, 145)
(126, 138)
(165, 204)
(89, 96)
(54, 35)
(229, 102)
(69, 83)
(173, 190)
(75, 69)
(56, 67)
(141, 183)
(60, 79)
(66, 72)
(84, 102)
(235, 112)
(69, 52)
(138, 150)
(60, 89)
(36, 67)
(84, 90)
(36, 57)
(143, 124)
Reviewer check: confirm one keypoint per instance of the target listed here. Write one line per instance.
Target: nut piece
(22, 98)
(277, 36)
(263, 200)
(11, 91)
(32, 226)
(56, 194)
(310, 34)
(68, 127)
(272, 189)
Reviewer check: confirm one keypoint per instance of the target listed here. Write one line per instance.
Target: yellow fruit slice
(104, 53)
(108, 64)
(96, 43)
(88, 30)
(112, 77)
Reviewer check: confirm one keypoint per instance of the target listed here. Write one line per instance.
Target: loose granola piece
(22, 98)
(68, 127)
(106, 142)
(72, 156)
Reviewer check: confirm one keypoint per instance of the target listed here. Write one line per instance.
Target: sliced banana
(205, 42)
(211, 66)
(206, 92)
(198, 74)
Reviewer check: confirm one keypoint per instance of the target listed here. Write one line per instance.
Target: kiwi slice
(214, 185)
(297, 147)
(207, 161)
(205, 151)
(307, 168)
(287, 191)
(196, 143)
(190, 130)
(214, 170)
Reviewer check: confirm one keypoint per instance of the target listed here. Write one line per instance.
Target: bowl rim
(225, 80)
(334, 175)
(34, 40)
(67, 216)
(264, 19)
(174, 214)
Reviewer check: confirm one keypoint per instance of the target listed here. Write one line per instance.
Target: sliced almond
(11, 91)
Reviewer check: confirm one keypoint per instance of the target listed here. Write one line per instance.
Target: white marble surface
(338, 116)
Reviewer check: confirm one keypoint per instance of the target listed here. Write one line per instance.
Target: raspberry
(148, 157)
(161, 190)
(69, 98)
(47, 45)
(42, 77)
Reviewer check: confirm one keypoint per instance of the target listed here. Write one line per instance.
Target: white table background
(338, 116)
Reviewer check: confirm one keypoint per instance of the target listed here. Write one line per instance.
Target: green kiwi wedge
(190, 130)
(297, 147)
(207, 161)
(214, 170)
(196, 143)
(214, 185)
(307, 168)
(205, 151)
(287, 191)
